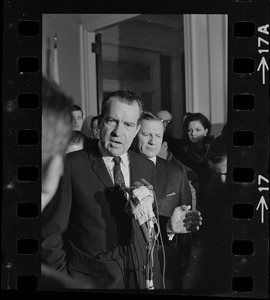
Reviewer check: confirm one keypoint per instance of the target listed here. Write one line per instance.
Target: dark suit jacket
(212, 260)
(173, 189)
(172, 186)
(192, 176)
(86, 230)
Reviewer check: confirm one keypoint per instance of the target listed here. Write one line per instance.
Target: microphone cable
(161, 240)
(151, 243)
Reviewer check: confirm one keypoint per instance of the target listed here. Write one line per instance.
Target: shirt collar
(108, 158)
(169, 156)
(154, 159)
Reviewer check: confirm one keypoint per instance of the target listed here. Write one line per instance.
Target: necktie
(117, 173)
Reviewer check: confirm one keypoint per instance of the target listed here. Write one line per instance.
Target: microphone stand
(149, 235)
(149, 269)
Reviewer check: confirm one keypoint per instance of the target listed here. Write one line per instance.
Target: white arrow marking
(263, 64)
(263, 204)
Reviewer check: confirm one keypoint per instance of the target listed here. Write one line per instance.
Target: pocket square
(171, 194)
(168, 203)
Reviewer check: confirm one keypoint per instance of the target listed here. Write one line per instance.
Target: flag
(48, 58)
(55, 62)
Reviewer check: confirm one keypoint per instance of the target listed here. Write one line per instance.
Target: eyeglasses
(166, 121)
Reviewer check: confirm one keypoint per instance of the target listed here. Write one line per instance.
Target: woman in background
(196, 141)
(95, 127)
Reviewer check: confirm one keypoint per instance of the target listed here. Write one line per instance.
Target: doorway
(146, 54)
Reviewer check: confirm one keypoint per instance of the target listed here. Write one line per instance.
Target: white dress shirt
(154, 159)
(124, 164)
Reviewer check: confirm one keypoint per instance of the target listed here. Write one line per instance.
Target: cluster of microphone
(142, 207)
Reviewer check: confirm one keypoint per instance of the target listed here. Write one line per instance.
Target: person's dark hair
(218, 149)
(147, 115)
(125, 96)
(197, 117)
(77, 137)
(76, 107)
(166, 138)
(186, 115)
(224, 130)
(94, 119)
(56, 122)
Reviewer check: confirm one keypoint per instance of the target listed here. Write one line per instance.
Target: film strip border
(249, 161)
(249, 164)
(248, 120)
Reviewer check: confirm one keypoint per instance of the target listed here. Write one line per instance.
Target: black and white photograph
(136, 153)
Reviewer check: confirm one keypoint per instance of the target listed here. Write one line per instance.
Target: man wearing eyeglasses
(166, 119)
(175, 143)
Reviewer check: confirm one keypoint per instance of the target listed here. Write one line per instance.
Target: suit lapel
(99, 167)
(134, 170)
(161, 176)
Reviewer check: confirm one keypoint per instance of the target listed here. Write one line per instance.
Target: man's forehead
(76, 113)
(164, 115)
(132, 107)
(152, 124)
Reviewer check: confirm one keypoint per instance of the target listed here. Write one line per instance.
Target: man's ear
(165, 145)
(138, 128)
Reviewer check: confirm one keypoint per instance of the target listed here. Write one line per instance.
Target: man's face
(166, 118)
(95, 130)
(150, 137)
(77, 120)
(220, 168)
(119, 126)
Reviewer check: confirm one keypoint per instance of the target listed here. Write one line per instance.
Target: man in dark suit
(214, 250)
(56, 136)
(173, 186)
(89, 231)
(165, 153)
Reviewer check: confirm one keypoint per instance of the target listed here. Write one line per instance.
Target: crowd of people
(131, 206)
